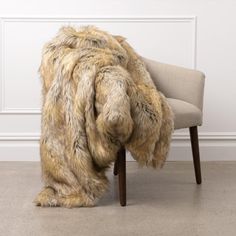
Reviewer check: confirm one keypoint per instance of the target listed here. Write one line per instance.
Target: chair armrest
(177, 82)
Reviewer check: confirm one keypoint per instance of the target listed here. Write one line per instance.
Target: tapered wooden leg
(122, 176)
(115, 170)
(196, 156)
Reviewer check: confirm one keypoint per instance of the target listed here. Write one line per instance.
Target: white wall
(196, 34)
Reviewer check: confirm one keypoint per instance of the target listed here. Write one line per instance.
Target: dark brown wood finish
(196, 156)
(120, 164)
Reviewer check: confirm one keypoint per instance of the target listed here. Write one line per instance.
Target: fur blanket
(97, 97)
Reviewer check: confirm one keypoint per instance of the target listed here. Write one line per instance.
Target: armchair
(184, 90)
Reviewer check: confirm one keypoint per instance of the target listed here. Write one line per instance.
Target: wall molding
(214, 146)
(89, 19)
(203, 136)
(86, 18)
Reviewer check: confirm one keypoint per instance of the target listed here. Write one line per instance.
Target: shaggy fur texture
(97, 96)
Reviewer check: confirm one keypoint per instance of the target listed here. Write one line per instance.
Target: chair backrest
(177, 82)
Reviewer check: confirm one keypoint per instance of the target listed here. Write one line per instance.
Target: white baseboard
(213, 147)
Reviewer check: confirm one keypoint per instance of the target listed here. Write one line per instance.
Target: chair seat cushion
(186, 114)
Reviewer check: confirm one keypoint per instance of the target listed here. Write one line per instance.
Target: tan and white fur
(97, 97)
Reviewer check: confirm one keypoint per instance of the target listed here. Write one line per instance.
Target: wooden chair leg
(196, 156)
(122, 176)
(115, 170)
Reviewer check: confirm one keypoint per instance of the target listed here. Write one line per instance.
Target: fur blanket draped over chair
(97, 97)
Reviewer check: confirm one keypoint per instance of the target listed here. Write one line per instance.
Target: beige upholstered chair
(184, 90)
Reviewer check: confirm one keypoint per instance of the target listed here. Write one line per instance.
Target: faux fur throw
(97, 97)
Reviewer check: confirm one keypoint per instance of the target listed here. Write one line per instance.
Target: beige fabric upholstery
(184, 89)
(186, 114)
(177, 82)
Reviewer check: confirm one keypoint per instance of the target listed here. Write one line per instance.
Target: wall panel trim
(89, 19)
(203, 136)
